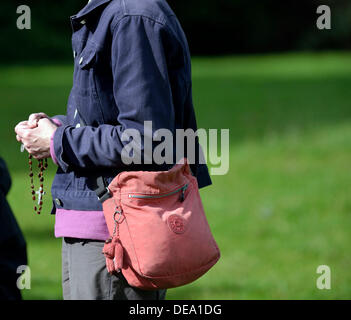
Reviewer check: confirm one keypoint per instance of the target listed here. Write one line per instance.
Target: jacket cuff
(52, 151)
(57, 122)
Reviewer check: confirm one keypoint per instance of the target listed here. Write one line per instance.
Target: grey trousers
(85, 277)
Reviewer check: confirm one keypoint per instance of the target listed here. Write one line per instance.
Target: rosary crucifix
(40, 194)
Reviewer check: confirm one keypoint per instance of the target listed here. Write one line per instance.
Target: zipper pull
(182, 195)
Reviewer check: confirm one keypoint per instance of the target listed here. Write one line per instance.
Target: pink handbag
(160, 237)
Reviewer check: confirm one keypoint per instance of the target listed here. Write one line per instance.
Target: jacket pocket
(84, 81)
(85, 94)
(87, 56)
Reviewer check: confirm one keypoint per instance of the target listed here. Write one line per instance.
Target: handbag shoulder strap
(102, 191)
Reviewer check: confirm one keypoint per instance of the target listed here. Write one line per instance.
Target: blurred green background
(283, 209)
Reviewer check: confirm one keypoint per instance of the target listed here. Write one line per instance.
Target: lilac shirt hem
(81, 224)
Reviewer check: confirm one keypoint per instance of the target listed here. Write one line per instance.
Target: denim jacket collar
(90, 7)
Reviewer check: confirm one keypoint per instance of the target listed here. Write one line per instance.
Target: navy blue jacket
(131, 64)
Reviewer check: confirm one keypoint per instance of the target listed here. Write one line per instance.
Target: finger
(23, 132)
(40, 156)
(28, 149)
(35, 117)
(21, 124)
(35, 152)
(35, 156)
(46, 122)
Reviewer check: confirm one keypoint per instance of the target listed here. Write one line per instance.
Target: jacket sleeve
(141, 91)
(59, 120)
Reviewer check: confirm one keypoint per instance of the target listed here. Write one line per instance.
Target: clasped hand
(35, 134)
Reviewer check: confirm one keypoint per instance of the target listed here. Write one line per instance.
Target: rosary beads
(42, 165)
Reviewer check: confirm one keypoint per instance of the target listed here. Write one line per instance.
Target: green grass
(283, 209)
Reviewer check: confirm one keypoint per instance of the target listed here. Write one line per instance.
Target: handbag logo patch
(176, 223)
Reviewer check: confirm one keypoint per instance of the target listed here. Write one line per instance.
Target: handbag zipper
(149, 196)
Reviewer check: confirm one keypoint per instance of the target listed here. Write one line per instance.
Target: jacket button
(58, 202)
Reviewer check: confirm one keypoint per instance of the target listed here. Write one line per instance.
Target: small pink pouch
(158, 229)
